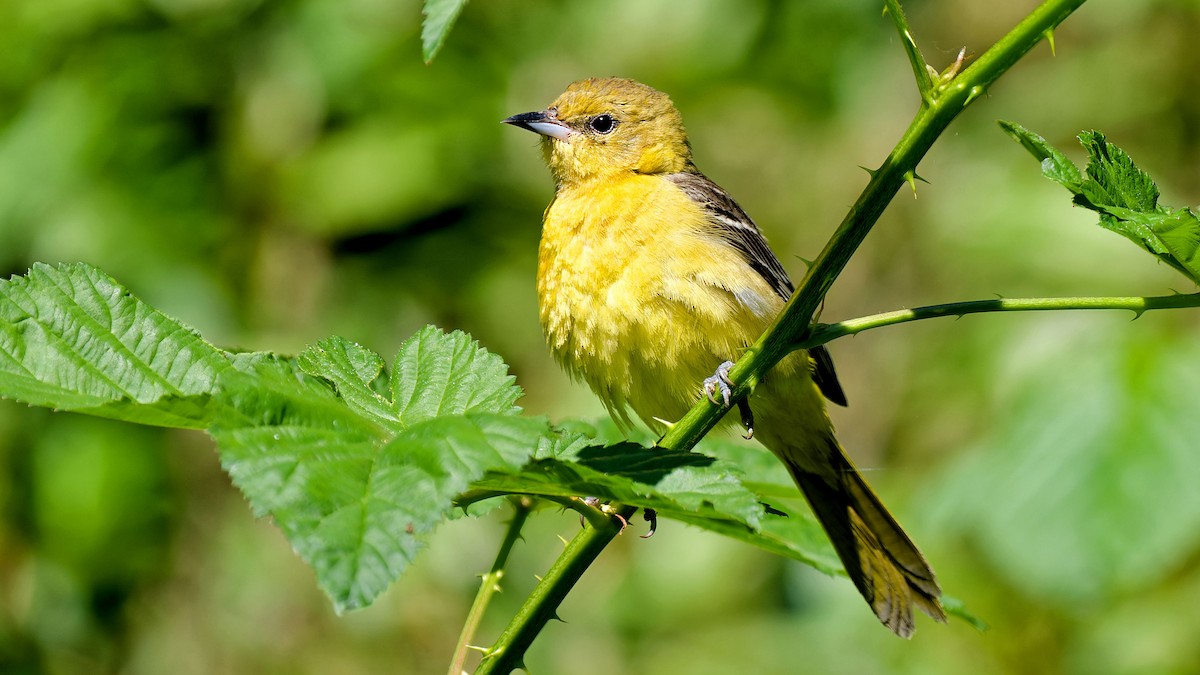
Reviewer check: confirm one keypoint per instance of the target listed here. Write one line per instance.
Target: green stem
(590, 513)
(925, 85)
(900, 166)
(522, 506)
(823, 333)
(542, 605)
(950, 99)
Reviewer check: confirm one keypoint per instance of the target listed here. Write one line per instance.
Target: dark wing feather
(825, 376)
(735, 227)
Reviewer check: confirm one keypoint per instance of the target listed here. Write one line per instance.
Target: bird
(649, 273)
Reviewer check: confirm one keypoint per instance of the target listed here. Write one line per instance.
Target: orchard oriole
(649, 274)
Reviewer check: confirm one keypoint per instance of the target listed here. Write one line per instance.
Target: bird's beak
(541, 122)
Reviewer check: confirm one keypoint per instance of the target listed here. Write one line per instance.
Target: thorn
(952, 71)
(558, 618)
(663, 422)
(563, 540)
(806, 261)
(911, 177)
(1137, 314)
(538, 578)
(1049, 35)
(870, 172)
(975, 93)
(477, 648)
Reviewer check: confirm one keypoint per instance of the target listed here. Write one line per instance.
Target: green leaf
(440, 16)
(72, 338)
(354, 478)
(449, 374)
(1179, 232)
(352, 369)
(356, 464)
(1115, 180)
(1055, 165)
(1125, 197)
(688, 487)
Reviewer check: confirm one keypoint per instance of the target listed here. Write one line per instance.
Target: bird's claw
(651, 517)
(604, 508)
(719, 383)
(747, 418)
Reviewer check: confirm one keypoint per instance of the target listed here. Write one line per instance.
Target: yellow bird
(649, 275)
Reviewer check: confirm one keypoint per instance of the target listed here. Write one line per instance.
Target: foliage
(282, 171)
(355, 463)
(1125, 197)
(439, 19)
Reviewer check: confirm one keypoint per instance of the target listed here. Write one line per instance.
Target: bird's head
(605, 126)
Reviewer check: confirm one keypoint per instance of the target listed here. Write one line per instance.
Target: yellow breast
(639, 295)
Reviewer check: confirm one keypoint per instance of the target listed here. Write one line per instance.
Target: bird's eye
(603, 124)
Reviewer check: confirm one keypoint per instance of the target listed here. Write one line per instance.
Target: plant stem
(490, 585)
(823, 333)
(948, 100)
(900, 166)
(542, 605)
(925, 85)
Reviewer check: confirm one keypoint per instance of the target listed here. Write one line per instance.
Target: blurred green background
(276, 172)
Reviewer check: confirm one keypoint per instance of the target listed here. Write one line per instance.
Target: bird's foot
(719, 383)
(650, 515)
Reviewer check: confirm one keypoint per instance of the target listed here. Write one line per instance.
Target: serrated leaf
(355, 480)
(1055, 165)
(1179, 231)
(1115, 179)
(437, 373)
(72, 338)
(352, 369)
(687, 487)
(440, 16)
(1125, 197)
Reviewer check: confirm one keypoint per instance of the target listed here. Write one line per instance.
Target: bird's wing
(735, 227)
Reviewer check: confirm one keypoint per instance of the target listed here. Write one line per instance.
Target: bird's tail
(883, 562)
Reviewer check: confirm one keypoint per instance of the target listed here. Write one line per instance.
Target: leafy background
(273, 173)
